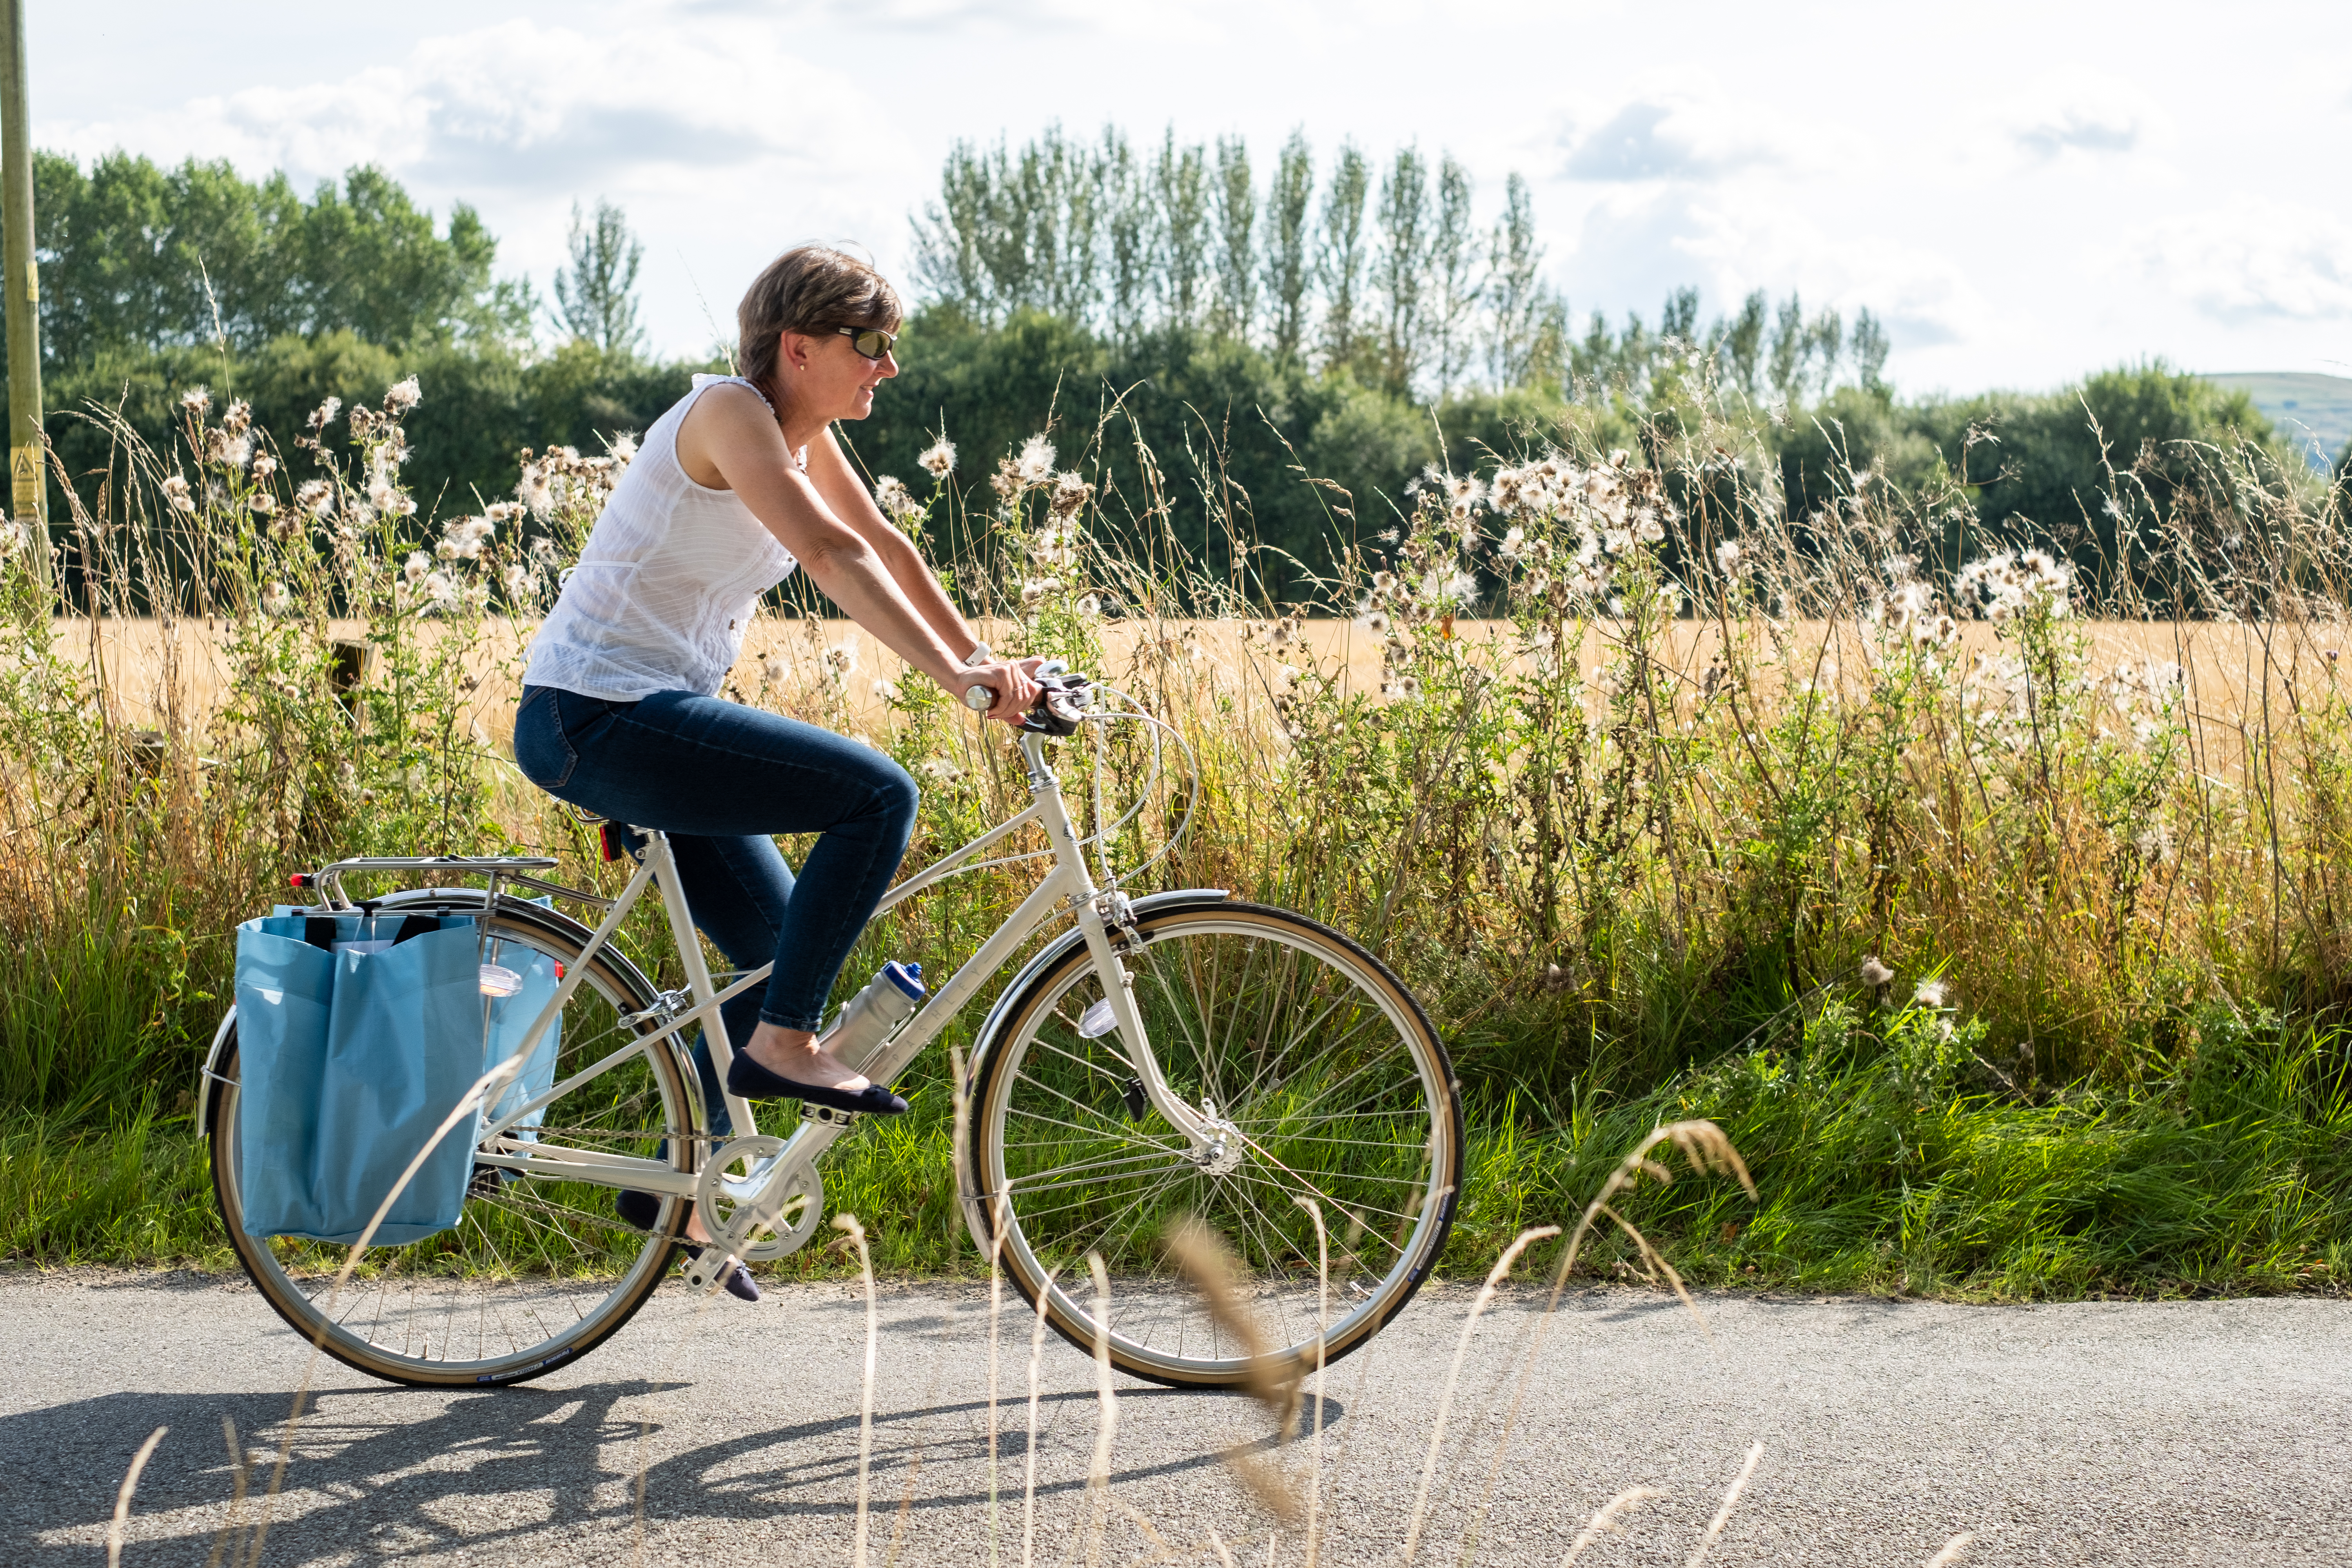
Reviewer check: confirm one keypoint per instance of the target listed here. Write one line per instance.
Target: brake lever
(1062, 706)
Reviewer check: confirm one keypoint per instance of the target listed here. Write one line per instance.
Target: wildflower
(196, 400)
(324, 415)
(517, 579)
(772, 669)
(1034, 465)
(1406, 687)
(176, 492)
(531, 490)
(1377, 622)
(316, 497)
(263, 503)
(463, 539)
(1514, 540)
(1928, 994)
(940, 769)
(1873, 973)
(440, 591)
(841, 659)
(1035, 590)
(1727, 555)
(1090, 604)
(542, 549)
(938, 460)
(1006, 480)
(1463, 496)
(238, 417)
(1384, 584)
(1070, 493)
(401, 396)
(623, 447)
(886, 688)
(276, 599)
(264, 465)
(892, 496)
(414, 569)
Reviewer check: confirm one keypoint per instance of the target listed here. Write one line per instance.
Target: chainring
(723, 1189)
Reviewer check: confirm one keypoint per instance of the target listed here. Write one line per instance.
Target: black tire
(470, 1306)
(1061, 1150)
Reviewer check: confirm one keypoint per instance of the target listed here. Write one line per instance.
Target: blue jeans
(721, 779)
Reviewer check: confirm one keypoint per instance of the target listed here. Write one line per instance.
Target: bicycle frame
(1102, 917)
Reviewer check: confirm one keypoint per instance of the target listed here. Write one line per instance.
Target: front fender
(985, 1043)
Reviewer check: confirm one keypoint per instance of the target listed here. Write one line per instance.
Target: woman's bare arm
(728, 435)
(830, 471)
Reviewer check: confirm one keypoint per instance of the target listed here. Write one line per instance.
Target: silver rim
(535, 1272)
(1335, 1091)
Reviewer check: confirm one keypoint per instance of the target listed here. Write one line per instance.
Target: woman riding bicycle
(734, 485)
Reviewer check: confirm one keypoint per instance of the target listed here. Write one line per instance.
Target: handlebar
(1062, 701)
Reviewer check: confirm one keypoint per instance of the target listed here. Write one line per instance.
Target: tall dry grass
(1888, 842)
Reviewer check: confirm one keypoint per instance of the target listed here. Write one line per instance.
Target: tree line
(1351, 322)
(1382, 272)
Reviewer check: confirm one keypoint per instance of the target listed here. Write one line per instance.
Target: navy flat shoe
(639, 1211)
(752, 1082)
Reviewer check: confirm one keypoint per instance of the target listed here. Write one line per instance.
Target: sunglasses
(871, 342)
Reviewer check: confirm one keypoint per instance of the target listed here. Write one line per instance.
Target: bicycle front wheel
(1332, 1088)
(536, 1271)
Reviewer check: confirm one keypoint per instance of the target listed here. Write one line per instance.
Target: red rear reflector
(559, 971)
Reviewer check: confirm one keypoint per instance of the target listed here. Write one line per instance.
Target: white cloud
(1664, 139)
(1729, 241)
(2080, 114)
(2252, 259)
(722, 146)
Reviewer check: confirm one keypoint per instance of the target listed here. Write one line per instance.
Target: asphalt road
(2194, 1432)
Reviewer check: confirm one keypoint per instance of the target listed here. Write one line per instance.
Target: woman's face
(826, 376)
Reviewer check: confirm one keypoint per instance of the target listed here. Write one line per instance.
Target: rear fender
(210, 1074)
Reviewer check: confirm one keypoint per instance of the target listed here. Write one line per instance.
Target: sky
(2021, 192)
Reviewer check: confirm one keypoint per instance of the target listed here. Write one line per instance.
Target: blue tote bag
(356, 1037)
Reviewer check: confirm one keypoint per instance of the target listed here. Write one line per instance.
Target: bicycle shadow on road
(370, 1475)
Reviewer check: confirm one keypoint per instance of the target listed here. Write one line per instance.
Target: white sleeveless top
(666, 583)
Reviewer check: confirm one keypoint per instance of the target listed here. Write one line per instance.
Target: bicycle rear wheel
(536, 1271)
(1334, 1088)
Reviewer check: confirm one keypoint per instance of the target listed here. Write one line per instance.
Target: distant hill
(2314, 412)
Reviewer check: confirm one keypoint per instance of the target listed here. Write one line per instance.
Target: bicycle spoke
(1324, 1092)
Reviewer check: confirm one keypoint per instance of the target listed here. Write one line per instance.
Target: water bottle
(867, 1018)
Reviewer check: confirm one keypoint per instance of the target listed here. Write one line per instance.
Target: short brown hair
(808, 288)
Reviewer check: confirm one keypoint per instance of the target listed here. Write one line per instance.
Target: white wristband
(979, 654)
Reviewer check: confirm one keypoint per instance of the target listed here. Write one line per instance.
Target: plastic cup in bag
(498, 980)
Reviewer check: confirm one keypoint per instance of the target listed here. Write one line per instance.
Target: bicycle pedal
(829, 1116)
(1131, 1091)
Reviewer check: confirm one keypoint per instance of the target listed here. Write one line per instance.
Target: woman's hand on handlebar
(1014, 682)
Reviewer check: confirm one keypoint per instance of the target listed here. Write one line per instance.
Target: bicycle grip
(980, 699)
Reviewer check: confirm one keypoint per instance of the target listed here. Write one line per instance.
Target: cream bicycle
(1168, 1055)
